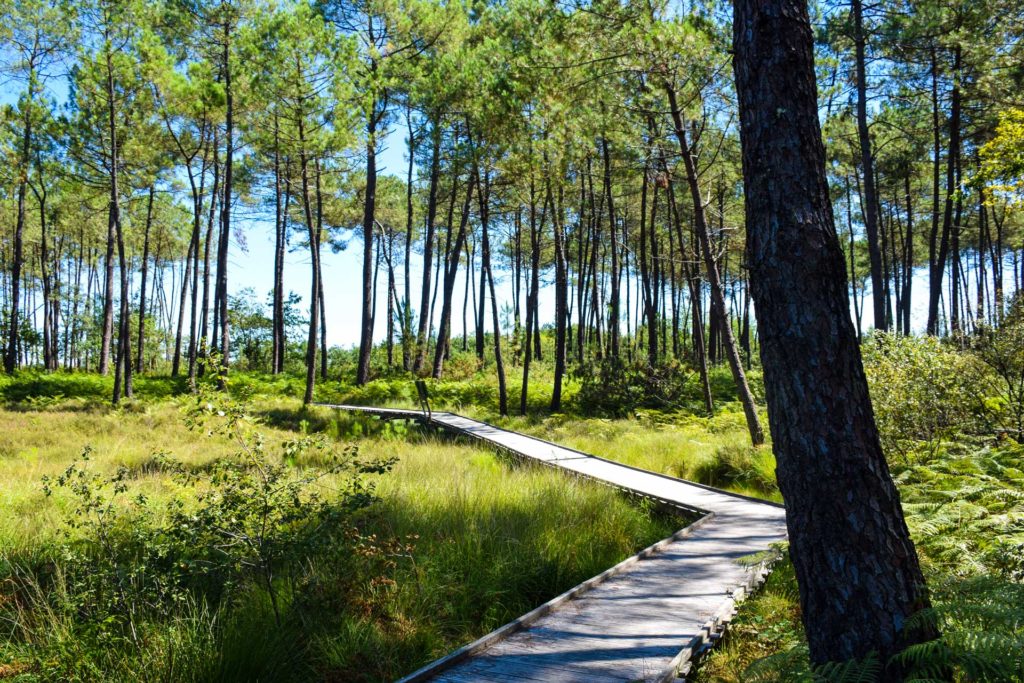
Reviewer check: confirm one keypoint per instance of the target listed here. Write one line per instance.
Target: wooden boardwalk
(642, 620)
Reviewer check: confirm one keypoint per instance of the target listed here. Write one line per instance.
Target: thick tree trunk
(856, 567)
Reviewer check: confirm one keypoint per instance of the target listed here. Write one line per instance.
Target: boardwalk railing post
(424, 396)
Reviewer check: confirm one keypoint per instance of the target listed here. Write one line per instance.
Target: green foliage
(924, 392)
(129, 566)
(615, 388)
(1001, 349)
(35, 388)
(966, 512)
(1002, 157)
(743, 466)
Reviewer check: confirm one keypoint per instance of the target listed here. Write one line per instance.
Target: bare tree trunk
(561, 300)
(870, 205)
(369, 202)
(717, 295)
(407, 280)
(225, 210)
(18, 257)
(613, 312)
(142, 288)
(314, 256)
(486, 266)
(939, 253)
(280, 239)
(423, 332)
(451, 269)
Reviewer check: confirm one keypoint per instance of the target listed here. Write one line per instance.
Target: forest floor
(458, 541)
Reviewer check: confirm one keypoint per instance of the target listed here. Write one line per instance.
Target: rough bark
(856, 566)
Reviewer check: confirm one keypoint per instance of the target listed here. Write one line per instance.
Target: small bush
(1001, 349)
(924, 392)
(616, 388)
(739, 466)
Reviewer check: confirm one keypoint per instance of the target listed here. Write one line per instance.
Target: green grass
(463, 540)
(714, 451)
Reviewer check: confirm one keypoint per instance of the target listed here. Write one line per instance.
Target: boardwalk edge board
(715, 627)
(438, 665)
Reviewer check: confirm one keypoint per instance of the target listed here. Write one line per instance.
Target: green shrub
(130, 570)
(742, 466)
(615, 387)
(924, 392)
(1001, 349)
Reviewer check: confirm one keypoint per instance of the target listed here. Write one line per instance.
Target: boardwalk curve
(645, 618)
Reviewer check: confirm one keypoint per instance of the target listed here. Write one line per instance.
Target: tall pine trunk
(717, 293)
(423, 329)
(856, 567)
(369, 213)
